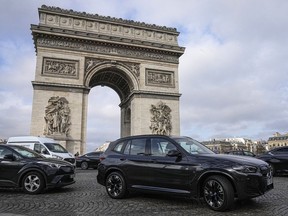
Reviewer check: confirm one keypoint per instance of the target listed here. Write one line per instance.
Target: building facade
(278, 140)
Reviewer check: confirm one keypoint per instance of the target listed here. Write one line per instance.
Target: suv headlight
(245, 169)
(57, 157)
(52, 165)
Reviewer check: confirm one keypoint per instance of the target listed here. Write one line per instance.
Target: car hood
(233, 159)
(53, 160)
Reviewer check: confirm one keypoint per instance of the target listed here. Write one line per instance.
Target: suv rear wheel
(116, 185)
(218, 193)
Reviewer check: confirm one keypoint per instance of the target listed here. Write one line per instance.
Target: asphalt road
(87, 197)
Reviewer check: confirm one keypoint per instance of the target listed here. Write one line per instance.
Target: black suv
(181, 166)
(23, 168)
(277, 158)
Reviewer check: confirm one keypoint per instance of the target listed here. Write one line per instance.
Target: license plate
(269, 178)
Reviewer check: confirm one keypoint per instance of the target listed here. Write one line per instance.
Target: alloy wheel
(214, 194)
(115, 185)
(32, 183)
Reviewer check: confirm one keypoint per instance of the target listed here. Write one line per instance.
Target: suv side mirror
(174, 153)
(9, 157)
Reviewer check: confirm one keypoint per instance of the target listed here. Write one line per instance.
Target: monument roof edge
(45, 8)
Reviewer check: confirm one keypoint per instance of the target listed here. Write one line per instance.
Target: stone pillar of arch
(78, 51)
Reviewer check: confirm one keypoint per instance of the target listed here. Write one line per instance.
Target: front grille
(70, 160)
(257, 184)
(66, 179)
(67, 169)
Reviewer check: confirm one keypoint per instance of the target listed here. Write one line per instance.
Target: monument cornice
(151, 94)
(154, 93)
(103, 46)
(105, 38)
(60, 87)
(38, 29)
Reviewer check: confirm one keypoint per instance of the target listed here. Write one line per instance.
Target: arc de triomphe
(77, 51)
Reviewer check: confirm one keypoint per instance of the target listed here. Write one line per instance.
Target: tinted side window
(249, 154)
(160, 147)
(135, 147)
(37, 148)
(4, 151)
(118, 147)
(281, 151)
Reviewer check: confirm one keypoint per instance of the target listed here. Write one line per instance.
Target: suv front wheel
(33, 183)
(116, 185)
(218, 193)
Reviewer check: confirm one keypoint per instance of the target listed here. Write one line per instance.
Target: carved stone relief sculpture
(133, 67)
(59, 67)
(159, 78)
(161, 119)
(57, 117)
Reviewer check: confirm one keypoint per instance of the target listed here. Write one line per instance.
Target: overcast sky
(233, 74)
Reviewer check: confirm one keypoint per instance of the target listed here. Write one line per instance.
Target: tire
(84, 165)
(116, 185)
(33, 183)
(218, 193)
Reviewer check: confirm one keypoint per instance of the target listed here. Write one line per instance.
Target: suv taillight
(101, 158)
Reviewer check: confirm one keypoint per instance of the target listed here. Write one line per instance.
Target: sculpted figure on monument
(161, 119)
(57, 117)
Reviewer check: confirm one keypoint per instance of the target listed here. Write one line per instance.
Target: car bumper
(253, 185)
(61, 180)
(101, 174)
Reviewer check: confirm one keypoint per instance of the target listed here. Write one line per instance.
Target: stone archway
(121, 77)
(77, 51)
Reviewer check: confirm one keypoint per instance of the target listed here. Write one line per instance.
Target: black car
(241, 152)
(23, 168)
(181, 166)
(277, 158)
(88, 160)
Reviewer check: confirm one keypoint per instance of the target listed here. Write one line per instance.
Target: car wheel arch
(115, 170)
(206, 175)
(24, 172)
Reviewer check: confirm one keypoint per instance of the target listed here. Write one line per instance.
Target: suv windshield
(192, 146)
(55, 147)
(25, 152)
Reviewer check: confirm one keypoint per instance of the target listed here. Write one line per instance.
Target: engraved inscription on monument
(60, 67)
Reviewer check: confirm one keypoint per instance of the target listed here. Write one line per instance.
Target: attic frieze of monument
(69, 19)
